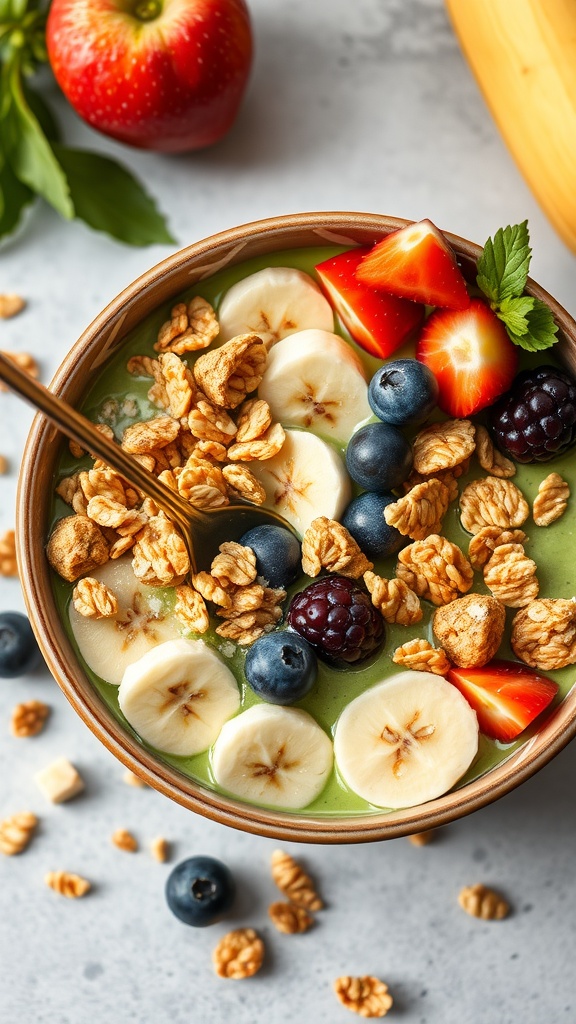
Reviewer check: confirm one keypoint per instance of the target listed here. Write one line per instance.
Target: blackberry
(338, 619)
(536, 419)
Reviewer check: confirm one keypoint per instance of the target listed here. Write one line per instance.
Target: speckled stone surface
(369, 106)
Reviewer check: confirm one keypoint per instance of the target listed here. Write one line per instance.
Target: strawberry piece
(416, 263)
(379, 323)
(506, 696)
(471, 356)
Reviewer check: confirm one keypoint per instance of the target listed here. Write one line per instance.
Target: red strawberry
(471, 356)
(506, 696)
(416, 263)
(379, 323)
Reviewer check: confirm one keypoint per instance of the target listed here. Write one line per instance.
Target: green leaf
(503, 265)
(42, 113)
(14, 197)
(542, 330)
(110, 199)
(514, 313)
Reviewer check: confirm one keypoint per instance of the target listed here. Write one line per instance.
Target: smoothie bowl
(405, 653)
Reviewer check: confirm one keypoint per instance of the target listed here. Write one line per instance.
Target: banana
(178, 695)
(406, 740)
(274, 303)
(314, 379)
(109, 645)
(273, 755)
(305, 480)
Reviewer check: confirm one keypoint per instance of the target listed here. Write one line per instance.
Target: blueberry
(200, 890)
(19, 652)
(277, 554)
(379, 457)
(403, 391)
(364, 519)
(281, 667)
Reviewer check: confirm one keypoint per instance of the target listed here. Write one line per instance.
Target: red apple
(159, 74)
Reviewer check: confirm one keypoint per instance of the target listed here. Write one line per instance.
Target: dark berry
(281, 667)
(338, 619)
(19, 652)
(200, 890)
(403, 391)
(379, 457)
(536, 419)
(364, 519)
(277, 554)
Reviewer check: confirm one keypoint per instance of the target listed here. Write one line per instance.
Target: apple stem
(147, 10)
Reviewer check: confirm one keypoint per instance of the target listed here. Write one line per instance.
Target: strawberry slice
(506, 696)
(471, 356)
(379, 323)
(416, 263)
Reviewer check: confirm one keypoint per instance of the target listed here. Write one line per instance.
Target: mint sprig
(502, 275)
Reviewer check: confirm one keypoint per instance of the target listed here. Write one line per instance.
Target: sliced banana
(274, 303)
(406, 740)
(306, 479)
(273, 755)
(109, 645)
(178, 696)
(314, 379)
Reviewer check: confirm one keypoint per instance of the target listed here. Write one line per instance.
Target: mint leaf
(542, 330)
(514, 313)
(503, 265)
(14, 197)
(110, 199)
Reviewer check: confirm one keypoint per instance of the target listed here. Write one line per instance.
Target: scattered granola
(133, 780)
(207, 422)
(93, 599)
(229, 373)
(160, 555)
(243, 484)
(443, 445)
(479, 901)
(8, 564)
(290, 919)
(191, 327)
(254, 418)
(76, 547)
(293, 881)
(327, 544)
(3, 465)
(544, 634)
(419, 655)
(202, 483)
(191, 609)
(420, 512)
(394, 599)
(29, 718)
(211, 589)
(435, 569)
(489, 457)
(16, 832)
(239, 954)
(366, 996)
(11, 305)
(423, 838)
(448, 477)
(147, 435)
(235, 564)
(511, 576)
(551, 501)
(67, 884)
(483, 543)
(261, 448)
(492, 502)
(470, 629)
(24, 361)
(160, 849)
(124, 840)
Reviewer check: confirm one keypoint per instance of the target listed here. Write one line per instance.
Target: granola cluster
(327, 544)
(544, 633)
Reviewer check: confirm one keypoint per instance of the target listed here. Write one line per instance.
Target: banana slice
(313, 379)
(108, 646)
(273, 755)
(406, 740)
(305, 480)
(178, 696)
(274, 303)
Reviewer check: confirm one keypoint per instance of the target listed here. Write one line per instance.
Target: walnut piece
(147, 435)
(511, 576)
(11, 305)
(239, 954)
(16, 832)
(76, 547)
(326, 544)
(479, 901)
(448, 477)
(244, 627)
(264, 447)
(229, 373)
(470, 629)
(124, 840)
(67, 884)
(191, 327)
(422, 657)
(29, 718)
(290, 919)
(179, 384)
(544, 634)
(492, 502)
(160, 849)
(435, 569)
(94, 600)
(243, 484)
(3, 465)
(443, 445)
(202, 483)
(293, 881)
(420, 512)
(483, 543)
(8, 564)
(254, 418)
(208, 422)
(551, 501)
(211, 589)
(490, 458)
(191, 610)
(24, 361)
(366, 996)
(235, 564)
(394, 599)
(160, 558)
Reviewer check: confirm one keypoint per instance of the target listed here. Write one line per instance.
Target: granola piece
(483, 543)
(419, 655)
(207, 422)
(76, 547)
(191, 610)
(160, 558)
(179, 384)
(160, 849)
(115, 516)
(470, 629)
(59, 781)
(544, 634)
(239, 954)
(144, 366)
(422, 838)
(243, 484)
(551, 501)
(394, 599)
(327, 544)
(293, 881)
(229, 373)
(191, 327)
(142, 438)
(262, 448)
(235, 564)
(70, 490)
(8, 564)
(448, 477)
(511, 576)
(421, 511)
(29, 718)
(479, 901)
(202, 483)
(94, 600)
(133, 780)
(246, 627)
(443, 445)
(11, 305)
(492, 502)
(490, 458)
(211, 589)
(3, 465)
(124, 840)
(209, 449)
(366, 996)
(66, 883)
(103, 483)
(255, 598)
(254, 418)
(435, 569)
(16, 832)
(290, 919)
(24, 361)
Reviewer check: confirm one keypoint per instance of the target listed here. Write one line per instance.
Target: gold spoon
(202, 531)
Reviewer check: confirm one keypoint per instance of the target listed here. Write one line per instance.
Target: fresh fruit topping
(178, 696)
(274, 303)
(200, 890)
(314, 379)
(379, 457)
(379, 323)
(364, 519)
(471, 356)
(416, 263)
(278, 554)
(536, 419)
(406, 740)
(305, 480)
(338, 618)
(403, 392)
(506, 696)
(281, 667)
(19, 652)
(273, 755)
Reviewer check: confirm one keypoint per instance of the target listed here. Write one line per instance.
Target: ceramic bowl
(101, 338)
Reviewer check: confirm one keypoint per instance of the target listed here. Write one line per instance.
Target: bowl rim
(277, 233)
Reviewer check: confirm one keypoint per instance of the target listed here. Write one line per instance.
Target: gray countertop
(352, 106)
